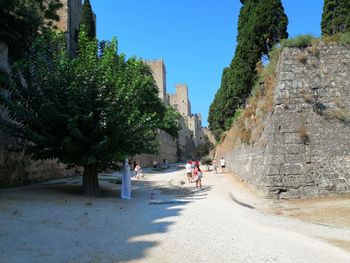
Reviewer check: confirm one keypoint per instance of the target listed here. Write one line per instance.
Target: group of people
(194, 173)
(157, 165)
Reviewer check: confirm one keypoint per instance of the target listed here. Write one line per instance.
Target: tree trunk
(91, 186)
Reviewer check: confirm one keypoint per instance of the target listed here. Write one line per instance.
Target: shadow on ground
(53, 222)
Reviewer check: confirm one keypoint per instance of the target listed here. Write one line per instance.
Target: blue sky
(195, 38)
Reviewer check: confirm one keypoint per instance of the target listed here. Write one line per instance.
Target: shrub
(206, 160)
(299, 41)
(345, 38)
(302, 57)
(314, 50)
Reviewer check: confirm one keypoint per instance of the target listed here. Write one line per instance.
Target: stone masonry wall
(15, 168)
(304, 149)
(167, 150)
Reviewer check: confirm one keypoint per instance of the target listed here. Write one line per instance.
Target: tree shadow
(88, 229)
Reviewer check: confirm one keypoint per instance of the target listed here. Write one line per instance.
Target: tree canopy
(86, 111)
(335, 17)
(261, 24)
(21, 21)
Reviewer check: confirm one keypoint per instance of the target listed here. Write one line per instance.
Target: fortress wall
(304, 149)
(159, 75)
(167, 150)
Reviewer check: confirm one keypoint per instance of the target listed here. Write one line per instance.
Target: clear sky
(195, 38)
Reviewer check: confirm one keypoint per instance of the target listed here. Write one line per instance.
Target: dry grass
(338, 114)
(249, 126)
(302, 57)
(303, 135)
(340, 243)
(307, 96)
(314, 50)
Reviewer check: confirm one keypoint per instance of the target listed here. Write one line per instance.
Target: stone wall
(15, 168)
(159, 75)
(167, 150)
(195, 125)
(304, 149)
(180, 100)
(69, 22)
(210, 135)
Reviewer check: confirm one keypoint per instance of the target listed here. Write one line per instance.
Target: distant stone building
(159, 75)
(190, 135)
(180, 100)
(70, 15)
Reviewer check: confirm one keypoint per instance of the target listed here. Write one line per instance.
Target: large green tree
(87, 19)
(21, 21)
(335, 17)
(261, 24)
(86, 111)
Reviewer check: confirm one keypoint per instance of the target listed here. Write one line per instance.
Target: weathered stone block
(292, 138)
(292, 169)
(292, 149)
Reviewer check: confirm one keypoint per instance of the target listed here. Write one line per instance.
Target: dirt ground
(37, 222)
(330, 211)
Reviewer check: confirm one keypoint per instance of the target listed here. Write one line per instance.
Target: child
(138, 171)
(198, 177)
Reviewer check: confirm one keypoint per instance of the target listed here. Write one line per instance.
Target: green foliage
(335, 17)
(299, 41)
(262, 23)
(22, 20)
(170, 122)
(344, 38)
(206, 160)
(203, 149)
(87, 20)
(85, 111)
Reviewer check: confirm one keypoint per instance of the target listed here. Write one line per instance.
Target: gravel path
(53, 223)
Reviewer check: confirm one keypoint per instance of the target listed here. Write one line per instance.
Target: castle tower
(69, 22)
(159, 75)
(70, 15)
(180, 100)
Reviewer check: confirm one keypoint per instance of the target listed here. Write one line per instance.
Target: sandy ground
(168, 220)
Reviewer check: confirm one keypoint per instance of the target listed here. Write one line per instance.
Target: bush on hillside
(299, 41)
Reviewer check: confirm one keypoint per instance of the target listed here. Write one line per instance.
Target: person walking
(222, 164)
(215, 164)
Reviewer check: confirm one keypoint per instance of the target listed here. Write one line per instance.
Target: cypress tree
(261, 24)
(87, 19)
(335, 17)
